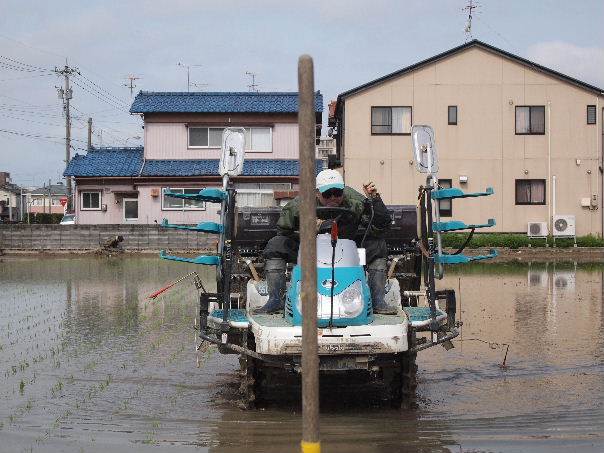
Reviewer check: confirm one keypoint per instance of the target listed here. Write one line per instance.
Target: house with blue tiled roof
(182, 136)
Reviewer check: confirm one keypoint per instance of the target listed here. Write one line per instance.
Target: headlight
(351, 300)
(347, 304)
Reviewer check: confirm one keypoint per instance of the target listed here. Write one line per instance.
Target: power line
(30, 46)
(29, 112)
(13, 61)
(101, 98)
(30, 108)
(26, 77)
(497, 33)
(32, 121)
(119, 135)
(104, 121)
(37, 136)
(101, 90)
(11, 67)
(22, 101)
(33, 108)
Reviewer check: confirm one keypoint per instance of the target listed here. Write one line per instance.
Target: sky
(351, 41)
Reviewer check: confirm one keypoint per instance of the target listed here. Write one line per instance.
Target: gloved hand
(370, 190)
(324, 226)
(319, 223)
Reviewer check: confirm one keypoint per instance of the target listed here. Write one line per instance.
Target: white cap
(329, 179)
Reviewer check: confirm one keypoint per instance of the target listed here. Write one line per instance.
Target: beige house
(500, 121)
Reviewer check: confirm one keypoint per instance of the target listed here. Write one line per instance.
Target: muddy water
(86, 364)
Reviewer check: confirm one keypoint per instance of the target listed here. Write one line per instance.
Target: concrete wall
(88, 237)
(483, 146)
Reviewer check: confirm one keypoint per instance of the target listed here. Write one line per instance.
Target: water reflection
(88, 364)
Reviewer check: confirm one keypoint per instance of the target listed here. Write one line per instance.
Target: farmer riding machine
(352, 339)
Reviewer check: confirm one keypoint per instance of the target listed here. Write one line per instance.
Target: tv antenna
(200, 86)
(130, 84)
(252, 86)
(188, 66)
(469, 8)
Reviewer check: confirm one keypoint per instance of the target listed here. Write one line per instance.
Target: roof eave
(458, 49)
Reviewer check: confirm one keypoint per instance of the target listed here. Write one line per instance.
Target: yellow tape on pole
(310, 447)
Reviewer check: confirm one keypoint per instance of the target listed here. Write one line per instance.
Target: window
(445, 206)
(259, 195)
(257, 139)
(530, 120)
(130, 209)
(91, 200)
(178, 204)
(530, 191)
(390, 120)
(452, 115)
(205, 137)
(591, 114)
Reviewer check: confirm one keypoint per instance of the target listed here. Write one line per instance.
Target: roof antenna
(253, 87)
(468, 30)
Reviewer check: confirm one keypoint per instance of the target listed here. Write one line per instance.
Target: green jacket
(289, 220)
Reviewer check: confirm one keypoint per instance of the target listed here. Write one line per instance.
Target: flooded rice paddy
(88, 365)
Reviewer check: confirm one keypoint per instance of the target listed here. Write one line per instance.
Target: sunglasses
(330, 193)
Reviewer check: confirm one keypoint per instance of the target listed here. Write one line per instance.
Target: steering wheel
(329, 215)
(332, 213)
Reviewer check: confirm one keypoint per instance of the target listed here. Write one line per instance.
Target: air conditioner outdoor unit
(537, 229)
(564, 225)
(564, 281)
(537, 278)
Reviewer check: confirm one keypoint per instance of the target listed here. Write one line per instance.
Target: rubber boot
(376, 276)
(274, 271)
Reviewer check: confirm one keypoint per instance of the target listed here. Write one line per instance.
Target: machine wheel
(251, 377)
(404, 381)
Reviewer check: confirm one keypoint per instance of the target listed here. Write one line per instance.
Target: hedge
(45, 218)
(515, 240)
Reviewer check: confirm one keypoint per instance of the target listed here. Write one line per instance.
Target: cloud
(583, 63)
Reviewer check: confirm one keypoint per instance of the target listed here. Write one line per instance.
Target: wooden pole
(308, 256)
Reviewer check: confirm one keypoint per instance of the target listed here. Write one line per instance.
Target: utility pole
(49, 196)
(131, 85)
(89, 134)
(308, 257)
(252, 87)
(66, 94)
